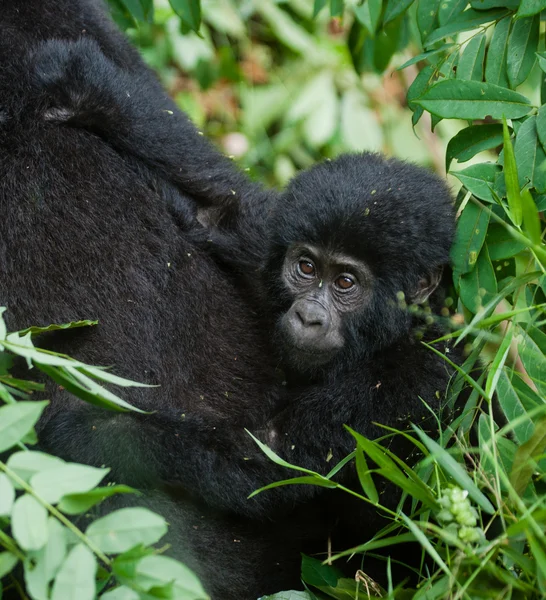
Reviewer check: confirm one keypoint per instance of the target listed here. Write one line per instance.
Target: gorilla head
(353, 242)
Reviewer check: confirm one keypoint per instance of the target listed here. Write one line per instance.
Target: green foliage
(39, 493)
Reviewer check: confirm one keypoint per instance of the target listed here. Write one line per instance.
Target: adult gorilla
(87, 233)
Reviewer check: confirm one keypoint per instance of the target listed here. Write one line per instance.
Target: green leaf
(458, 99)
(336, 8)
(314, 573)
(394, 9)
(185, 583)
(318, 6)
(531, 220)
(479, 179)
(71, 478)
(75, 504)
(542, 60)
(471, 61)
(500, 244)
(3, 329)
(512, 406)
(450, 10)
(524, 465)
(533, 359)
(452, 468)
(479, 286)
(541, 125)
(530, 156)
(528, 8)
(26, 464)
(189, 11)
(291, 595)
(135, 8)
(122, 529)
(469, 238)
(495, 65)
(16, 420)
(386, 44)
(511, 178)
(76, 577)
(469, 19)
(365, 476)
(7, 562)
(42, 565)
(317, 480)
(522, 45)
(368, 13)
(473, 140)
(7, 496)
(121, 593)
(29, 523)
(427, 16)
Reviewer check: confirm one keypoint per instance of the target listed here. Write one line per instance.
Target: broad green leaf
(336, 8)
(469, 19)
(450, 10)
(185, 583)
(511, 178)
(16, 420)
(469, 238)
(500, 244)
(424, 79)
(485, 4)
(473, 140)
(471, 61)
(528, 8)
(122, 529)
(541, 125)
(495, 65)
(533, 359)
(457, 99)
(394, 9)
(318, 6)
(455, 470)
(7, 562)
(530, 157)
(386, 44)
(542, 60)
(315, 573)
(479, 286)
(121, 593)
(7, 496)
(427, 16)
(135, 8)
(42, 565)
(29, 523)
(76, 577)
(531, 220)
(512, 406)
(75, 504)
(524, 465)
(51, 485)
(189, 11)
(479, 179)
(368, 13)
(522, 45)
(26, 464)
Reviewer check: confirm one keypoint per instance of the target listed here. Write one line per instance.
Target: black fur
(396, 217)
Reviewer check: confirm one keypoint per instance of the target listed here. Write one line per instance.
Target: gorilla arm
(83, 88)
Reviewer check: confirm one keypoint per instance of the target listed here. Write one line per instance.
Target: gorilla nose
(312, 315)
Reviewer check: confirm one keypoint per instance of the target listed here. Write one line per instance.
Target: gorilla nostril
(310, 318)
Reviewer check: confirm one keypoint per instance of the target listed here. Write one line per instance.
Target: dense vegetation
(280, 85)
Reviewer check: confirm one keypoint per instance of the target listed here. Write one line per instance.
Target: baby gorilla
(332, 265)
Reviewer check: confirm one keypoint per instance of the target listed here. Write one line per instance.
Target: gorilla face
(325, 287)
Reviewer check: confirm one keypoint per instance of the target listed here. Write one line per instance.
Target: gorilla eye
(344, 282)
(306, 268)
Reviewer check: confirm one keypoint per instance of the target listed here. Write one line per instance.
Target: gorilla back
(88, 234)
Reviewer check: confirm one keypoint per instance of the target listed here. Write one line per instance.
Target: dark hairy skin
(330, 266)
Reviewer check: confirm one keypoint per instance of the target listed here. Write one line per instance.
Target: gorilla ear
(427, 285)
